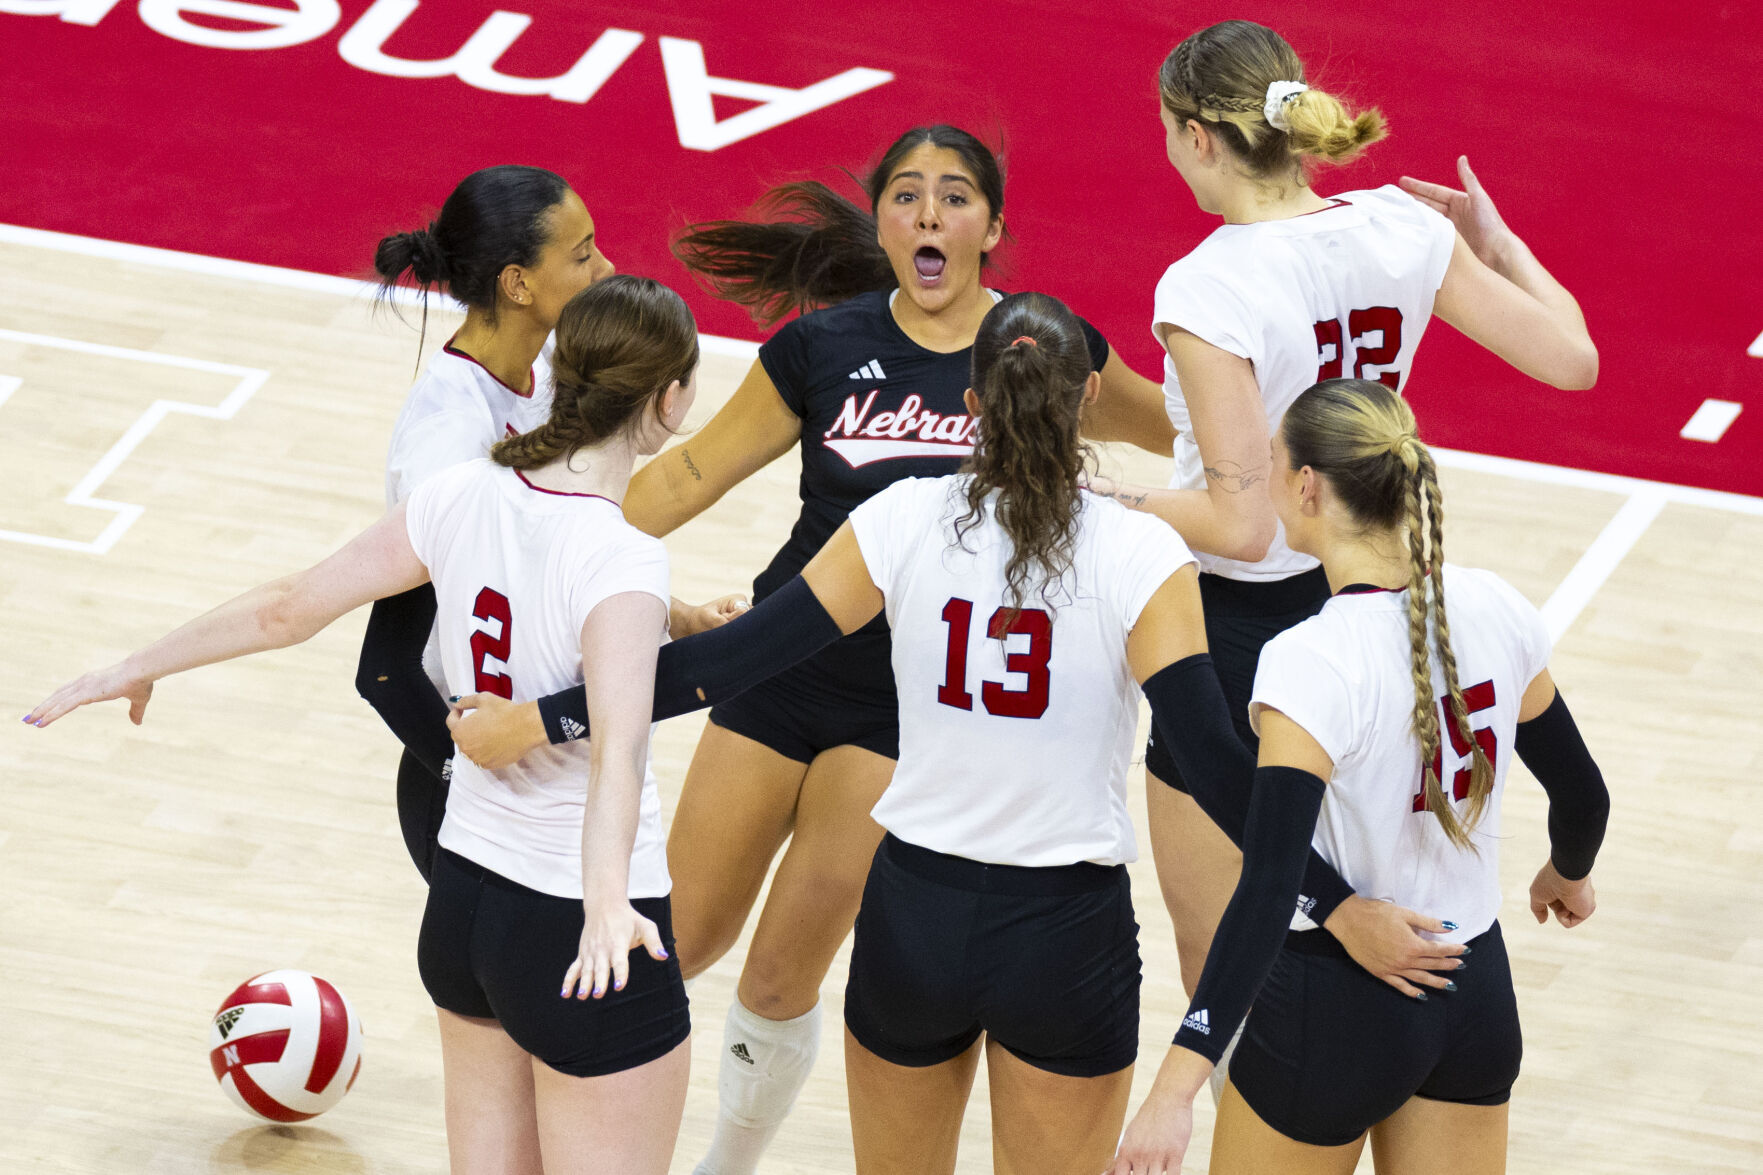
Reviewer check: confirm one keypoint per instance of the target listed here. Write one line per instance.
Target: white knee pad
(765, 1063)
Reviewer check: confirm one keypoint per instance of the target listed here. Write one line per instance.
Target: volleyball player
(541, 584)
(512, 245)
(871, 387)
(1398, 726)
(1296, 287)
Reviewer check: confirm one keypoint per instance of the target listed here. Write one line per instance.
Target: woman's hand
(1471, 210)
(1158, 1135)
(493, 732)
(611, 930)
(1572, 901)
(1385, 939)
(100, 685)
(689, 619)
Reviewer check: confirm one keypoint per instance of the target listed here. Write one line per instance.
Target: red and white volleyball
(285, 1045)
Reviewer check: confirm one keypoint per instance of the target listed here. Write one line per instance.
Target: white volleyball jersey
(455, 412)
(1343, 291)
(1346, 677)
(517, 569)
(1011, 752)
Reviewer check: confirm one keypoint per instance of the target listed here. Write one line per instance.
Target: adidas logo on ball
(285, 1046)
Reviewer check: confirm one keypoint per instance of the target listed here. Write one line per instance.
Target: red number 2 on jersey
(1475, 699)
(1331, 353)
(1028, 702)
(492, 605)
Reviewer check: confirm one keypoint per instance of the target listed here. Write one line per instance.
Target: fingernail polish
(1461, 964)
(1450, 926)
(1421, 996)
(454, 698)
(1465, 950)
(1449, 986)
(664, 954)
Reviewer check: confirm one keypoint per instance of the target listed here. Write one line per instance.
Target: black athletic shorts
(1242, 616)
(1044, 961)
(493, 948)
(802, 712)
(1330, 1050)
(422, 802)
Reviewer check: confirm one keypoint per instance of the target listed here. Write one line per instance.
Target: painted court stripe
(1600, 561)
(1755, 350)
(1711, 420)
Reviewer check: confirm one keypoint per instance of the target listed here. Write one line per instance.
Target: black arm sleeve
(786, 627)
(1193, 720)
(1579, 803)
(1281, 821)
(389, 675)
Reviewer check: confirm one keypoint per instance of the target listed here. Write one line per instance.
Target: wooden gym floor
(249, 823)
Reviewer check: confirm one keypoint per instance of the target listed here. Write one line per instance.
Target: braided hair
(1360, 436)
(621, 343)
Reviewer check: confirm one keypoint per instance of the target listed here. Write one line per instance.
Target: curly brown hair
(1030, 367)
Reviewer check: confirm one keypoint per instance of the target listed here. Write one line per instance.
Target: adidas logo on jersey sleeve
(572, 729)
(870, 370)
(1199, 1022)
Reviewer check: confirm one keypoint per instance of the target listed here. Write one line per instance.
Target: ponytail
(1225, 75)
(1031, 365)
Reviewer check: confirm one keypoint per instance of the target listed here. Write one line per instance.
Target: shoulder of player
(832, 324)
(1478, 588)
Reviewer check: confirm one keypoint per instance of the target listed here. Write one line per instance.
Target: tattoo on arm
(690, 467)
(1233, 478)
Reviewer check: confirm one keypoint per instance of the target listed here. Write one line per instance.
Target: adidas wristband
(1193, 722)
(1281, 821)
(1579, 804)
(784, 628)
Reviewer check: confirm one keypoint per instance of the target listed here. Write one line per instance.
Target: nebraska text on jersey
(862, 439)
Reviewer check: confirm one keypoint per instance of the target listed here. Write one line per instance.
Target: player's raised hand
(100, 685)
(611, 930)
(1572, 901)
(1471, 210)
(1387, 941)
(494, 732)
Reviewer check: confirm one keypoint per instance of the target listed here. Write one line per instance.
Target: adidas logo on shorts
(870, 370)
(572, 729)
(1199, 1022)
(740, 1052)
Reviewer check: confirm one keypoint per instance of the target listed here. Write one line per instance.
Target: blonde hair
(1220, 76)
(621, 343)
(1360, 436)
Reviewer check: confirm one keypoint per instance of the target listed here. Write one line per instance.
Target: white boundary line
(1644, 499)
(249, 379)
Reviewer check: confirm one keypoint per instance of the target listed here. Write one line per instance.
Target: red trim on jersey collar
(531, 379)
(1368, 589)
(560, 493)
(1333, 202)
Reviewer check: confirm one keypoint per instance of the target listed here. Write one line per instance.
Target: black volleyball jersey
(875, 407)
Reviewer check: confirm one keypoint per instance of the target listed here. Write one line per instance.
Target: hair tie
(1029, 339)
(1279, 96)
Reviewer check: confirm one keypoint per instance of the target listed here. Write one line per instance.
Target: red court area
(1619, 140)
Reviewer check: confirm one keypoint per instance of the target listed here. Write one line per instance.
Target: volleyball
(286, 1046)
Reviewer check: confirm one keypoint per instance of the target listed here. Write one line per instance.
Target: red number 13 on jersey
(1032, 663)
